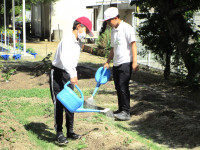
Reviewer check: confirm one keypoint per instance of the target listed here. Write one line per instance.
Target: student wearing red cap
(124, 55)
(64, 70)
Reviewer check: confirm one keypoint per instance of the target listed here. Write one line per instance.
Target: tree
(152, 33)
(173, 25)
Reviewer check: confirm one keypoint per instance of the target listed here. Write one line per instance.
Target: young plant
(43, 67)
(19, 45)
(1, 132)
(127, 141)
(8, 74)
(1, 67)
(47, 62)
(81, 144)
(30, 50)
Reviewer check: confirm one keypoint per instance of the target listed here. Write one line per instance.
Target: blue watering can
(102, 76)
(72, 102)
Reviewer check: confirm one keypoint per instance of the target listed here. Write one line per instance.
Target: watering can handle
(82, 97)
(104, 71)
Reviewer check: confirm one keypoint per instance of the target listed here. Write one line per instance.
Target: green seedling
(8, 74)
(30, 50)
(1, 132)
(127, 141)
(81, 144)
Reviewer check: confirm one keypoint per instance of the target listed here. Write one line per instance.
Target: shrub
(8, 74)
(104, 41)
(30, 50)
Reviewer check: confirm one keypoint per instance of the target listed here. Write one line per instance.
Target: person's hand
(135, 67)
(74, 80)
(106, 65)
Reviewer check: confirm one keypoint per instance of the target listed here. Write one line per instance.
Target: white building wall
(64, 13)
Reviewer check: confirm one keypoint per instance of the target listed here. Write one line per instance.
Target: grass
(43, 136)
(23, 110)
(39, 93)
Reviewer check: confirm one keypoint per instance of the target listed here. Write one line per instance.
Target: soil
(162, 111)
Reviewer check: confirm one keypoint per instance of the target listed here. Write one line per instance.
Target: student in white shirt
(124, 55)
(64, 70)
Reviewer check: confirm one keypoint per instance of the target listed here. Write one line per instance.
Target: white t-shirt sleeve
(130, 34)
(66, 58)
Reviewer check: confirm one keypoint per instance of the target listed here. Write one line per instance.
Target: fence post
(2, 41)
(149, 58)
(13, 9)
(5, 21)
(24, 27)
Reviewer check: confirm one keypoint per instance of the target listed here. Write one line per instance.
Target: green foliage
(8, 74)
(169, 33)
(9, 32)
(104, 42)
(1, 67)
(44, 67)
(47, 62)
(81, 144)
(127, 141)
(30, 50)
(20, 45)
(188, 15)
(43, 1)
(1, 132)
(20, 18)
(18, 10)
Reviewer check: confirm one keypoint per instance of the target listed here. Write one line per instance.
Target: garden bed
(163, 115)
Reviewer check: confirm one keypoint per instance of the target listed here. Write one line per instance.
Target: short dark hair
(76, 23)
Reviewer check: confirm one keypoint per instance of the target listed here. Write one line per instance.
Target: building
(125, 10)
(53, 21)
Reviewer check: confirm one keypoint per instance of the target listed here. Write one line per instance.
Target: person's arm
(134, 52)
(106, 65)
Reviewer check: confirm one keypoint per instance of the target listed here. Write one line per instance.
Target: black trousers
(58, 78)
(122, 76)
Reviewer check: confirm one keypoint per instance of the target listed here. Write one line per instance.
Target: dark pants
(122, 76)
(58, 78)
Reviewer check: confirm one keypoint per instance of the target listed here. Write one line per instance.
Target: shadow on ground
(41, 130)
(164, 116)
(85, 70)
(161, 112)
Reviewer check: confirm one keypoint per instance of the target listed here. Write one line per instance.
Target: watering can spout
(87, 110)
(80, 110)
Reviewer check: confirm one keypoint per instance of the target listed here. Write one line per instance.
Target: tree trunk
(180, 31)
(167, 66)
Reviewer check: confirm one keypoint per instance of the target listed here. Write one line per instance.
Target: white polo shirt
(121, 38)
(67, 55)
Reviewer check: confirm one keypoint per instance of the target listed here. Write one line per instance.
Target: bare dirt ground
(166, 113)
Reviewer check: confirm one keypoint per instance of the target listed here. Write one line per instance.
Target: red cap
(86, 22)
